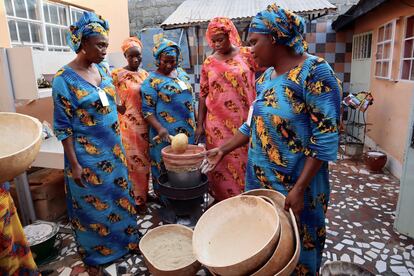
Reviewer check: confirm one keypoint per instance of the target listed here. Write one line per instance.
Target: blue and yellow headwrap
(90, 24)
(167, 47)
(285, 26)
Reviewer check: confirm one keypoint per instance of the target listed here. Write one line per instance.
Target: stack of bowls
(250, 234)
(237, 235)
(286, 255)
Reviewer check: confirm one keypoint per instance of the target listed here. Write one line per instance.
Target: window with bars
(407, 60)
(40, 24)
(361, 46)
(24, 22)
(75, 14)
(56, 21)
(385, 49)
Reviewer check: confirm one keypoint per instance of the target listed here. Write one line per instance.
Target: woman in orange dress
(134, 129)
(227, 91)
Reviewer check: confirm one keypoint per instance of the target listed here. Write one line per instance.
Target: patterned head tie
(286, 27)
(222, 25)
(168, 48)
(131, 42)
(90, 24)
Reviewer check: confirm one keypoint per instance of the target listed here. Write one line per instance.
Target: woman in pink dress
(134, 129)
(227, 91)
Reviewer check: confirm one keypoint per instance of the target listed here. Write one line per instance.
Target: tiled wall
(335, 48)
(203, 51)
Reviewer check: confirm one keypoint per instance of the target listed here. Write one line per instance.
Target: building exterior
(382, 62)
(41, 24)
(149, 14)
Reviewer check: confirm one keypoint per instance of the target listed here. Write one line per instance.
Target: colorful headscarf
(222, 25)
(169, 48)
(131, 42)
(90, 24)
(285, 26)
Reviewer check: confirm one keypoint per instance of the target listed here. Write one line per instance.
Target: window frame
(74, 9)
(384, 42)
(402, 58)
(44, 44)
(27, 20)
(356, 53)
(52, 45)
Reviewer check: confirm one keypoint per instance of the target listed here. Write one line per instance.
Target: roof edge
(356, 11)
(167, 26)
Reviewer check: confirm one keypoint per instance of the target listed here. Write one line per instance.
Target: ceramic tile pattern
(335, 48)
(360, 228)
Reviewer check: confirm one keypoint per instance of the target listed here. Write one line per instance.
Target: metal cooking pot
(44, 248)
(188, 179)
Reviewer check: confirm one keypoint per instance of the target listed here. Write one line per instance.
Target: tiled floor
(360, 222)
(360, 228)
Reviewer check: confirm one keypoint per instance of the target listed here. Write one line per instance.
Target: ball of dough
(179, 143)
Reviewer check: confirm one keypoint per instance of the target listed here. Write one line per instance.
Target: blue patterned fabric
(172, 106)
(168, 47)
(285, 26)
(296, 115)
(90, 24)
(103, 215)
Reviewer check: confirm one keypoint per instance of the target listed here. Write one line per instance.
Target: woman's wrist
(75, 164)
(159, 128)
(224, 149)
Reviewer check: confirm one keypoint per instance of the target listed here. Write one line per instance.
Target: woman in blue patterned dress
(167, 103)
(293, 128)
(100, 204)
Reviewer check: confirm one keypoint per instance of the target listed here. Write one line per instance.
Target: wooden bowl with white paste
(168, 250)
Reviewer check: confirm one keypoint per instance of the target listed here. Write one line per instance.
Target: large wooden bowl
(168, 251)
(286, 255)
(20, 139)
(237, 235)
(190, 160)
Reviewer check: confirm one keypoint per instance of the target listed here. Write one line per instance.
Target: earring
(83, 51)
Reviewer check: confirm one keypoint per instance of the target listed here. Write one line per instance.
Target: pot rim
(375, 151)
(183, 155)
(55, 230)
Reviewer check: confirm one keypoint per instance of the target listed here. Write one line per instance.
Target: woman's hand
(198, 134)
(77, 170)
(77, 175)
(296, 197)
(213, 157)
(295, 200)
(163, 135)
